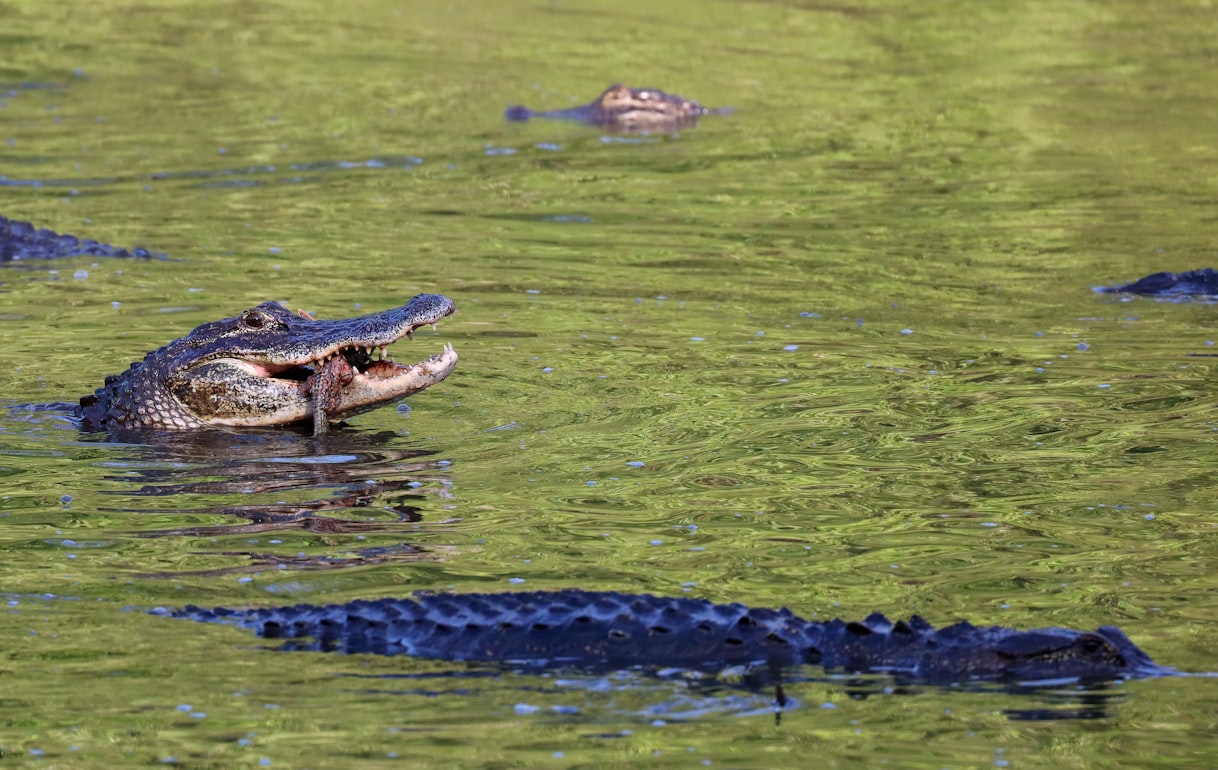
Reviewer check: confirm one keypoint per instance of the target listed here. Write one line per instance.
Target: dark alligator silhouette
(1196, 283)
(628, 110)
(269, 366)
(590, 630)
(21, 241)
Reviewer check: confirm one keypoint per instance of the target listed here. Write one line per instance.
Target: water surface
(837, 351)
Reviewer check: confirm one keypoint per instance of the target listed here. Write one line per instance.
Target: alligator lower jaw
(379, 383)
(291, 394)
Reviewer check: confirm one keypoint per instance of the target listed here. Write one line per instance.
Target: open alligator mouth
(366, 361)
(340, 379)
(270, 366)
(350, 380)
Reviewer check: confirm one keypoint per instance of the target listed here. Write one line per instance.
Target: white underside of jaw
(378, 385)
(373, 386)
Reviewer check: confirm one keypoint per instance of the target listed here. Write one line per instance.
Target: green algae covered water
(837, 351)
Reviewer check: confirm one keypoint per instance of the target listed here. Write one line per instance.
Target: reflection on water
(345, 499)
(741, 691)
(345, 483)
(249, 176)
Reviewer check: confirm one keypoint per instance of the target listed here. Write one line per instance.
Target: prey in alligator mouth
(269, 366)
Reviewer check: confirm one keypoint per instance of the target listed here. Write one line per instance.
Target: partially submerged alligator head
(269, 366)
(1191, 283)
(630, 110)
(603, 631)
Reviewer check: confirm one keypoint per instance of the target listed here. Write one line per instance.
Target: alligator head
(269, 366)
(628, 110)
(1196, 283)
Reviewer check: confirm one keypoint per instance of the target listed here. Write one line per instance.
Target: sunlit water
(837, 351)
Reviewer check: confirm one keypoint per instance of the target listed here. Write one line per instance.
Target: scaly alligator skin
(1198, 283)
(603, 631)
(629, 110)
(21, 241)
(269, 366)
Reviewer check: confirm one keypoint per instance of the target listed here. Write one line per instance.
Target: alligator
(1195, 283)
(21, 241)
(628, 110)
(601, 631)
(269, 366)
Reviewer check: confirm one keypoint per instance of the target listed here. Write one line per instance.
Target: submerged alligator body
(605, 631)
(268, 367)
(628, 110)
(1193, 283)
(21, 241)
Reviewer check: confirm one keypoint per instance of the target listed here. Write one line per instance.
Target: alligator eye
(1091, 646)
(254, 320)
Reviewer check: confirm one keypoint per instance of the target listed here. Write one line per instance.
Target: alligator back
(545, 628)
(20, 241)
(607, 630)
